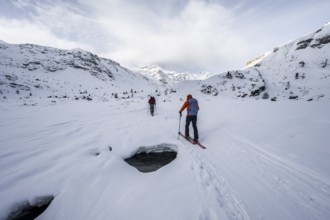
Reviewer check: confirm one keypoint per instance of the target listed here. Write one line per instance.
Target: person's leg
(188, 120)
(194, 124)
(152, 109)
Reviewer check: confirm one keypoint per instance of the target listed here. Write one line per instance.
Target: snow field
(263, 160)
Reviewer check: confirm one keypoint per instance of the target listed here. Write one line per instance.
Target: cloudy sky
(180, 35)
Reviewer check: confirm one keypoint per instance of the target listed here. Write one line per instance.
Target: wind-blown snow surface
(264, 160)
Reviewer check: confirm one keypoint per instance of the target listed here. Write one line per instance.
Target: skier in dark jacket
(152, 103)
(192, 109)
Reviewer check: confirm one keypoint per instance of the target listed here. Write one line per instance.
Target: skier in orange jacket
(192, 109)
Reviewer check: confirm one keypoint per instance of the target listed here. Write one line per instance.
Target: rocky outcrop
(241, 84)
(34, 57)
(33, 73)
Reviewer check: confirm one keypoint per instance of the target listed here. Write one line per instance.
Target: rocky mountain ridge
(298, 70)
(30, 72)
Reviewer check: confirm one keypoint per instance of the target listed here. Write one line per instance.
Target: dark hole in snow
(149, 159)
(30, 211)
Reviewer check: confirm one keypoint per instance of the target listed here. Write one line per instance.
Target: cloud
(189, 35)
(182, 35)
(53, 24)
(12, 31)
(268, 24)
(196, 35)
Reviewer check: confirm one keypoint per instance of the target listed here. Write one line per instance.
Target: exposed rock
(324, 64)
(229, 75)
(320, 41)
(293, 97)
(303, 44)
(208, 89)
(169, 91)
(257, 91)
(287, 85)
(302, 63)
(239, 75)
(11, 77)
(18, 86)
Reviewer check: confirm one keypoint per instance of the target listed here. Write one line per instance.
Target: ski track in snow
(288, 185)
(212, 185)
(306, 189)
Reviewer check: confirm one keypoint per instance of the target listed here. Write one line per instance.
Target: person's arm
(185, 104)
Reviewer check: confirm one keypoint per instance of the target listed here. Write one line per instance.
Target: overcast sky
(180, 35)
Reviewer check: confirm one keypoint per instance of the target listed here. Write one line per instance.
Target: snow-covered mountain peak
(169, 78)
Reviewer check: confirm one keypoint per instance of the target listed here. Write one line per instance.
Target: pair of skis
(192, 141)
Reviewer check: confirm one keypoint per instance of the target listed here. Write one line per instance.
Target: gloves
(180, 114)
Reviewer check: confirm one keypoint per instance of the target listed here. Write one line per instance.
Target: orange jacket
(186, 104)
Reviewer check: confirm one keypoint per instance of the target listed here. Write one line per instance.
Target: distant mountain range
(298, 70)
(169, 78)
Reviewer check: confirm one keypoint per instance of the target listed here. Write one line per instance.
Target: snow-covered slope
(234, 84)
(264, 160)
(32, 73)
(169, 78)
(297, 70)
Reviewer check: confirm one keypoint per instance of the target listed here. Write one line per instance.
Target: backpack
(152, 100)
(193, 107)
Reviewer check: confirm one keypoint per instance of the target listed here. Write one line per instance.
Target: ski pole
(179, 127)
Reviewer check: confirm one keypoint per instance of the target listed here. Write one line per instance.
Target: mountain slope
(30, 73)
(299, 69)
